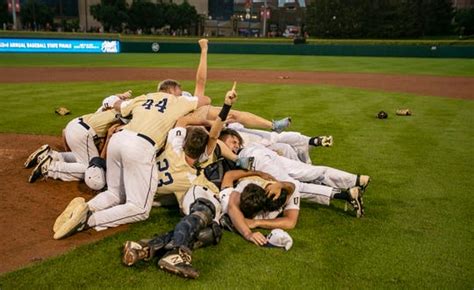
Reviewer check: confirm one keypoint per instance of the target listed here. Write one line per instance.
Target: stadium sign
(59, 45)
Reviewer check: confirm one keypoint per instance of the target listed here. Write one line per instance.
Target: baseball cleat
(178, 261)
(280, 125)
(76, 220)
(363, 182)
(40, 170)
(65, 215)
(133, 252)
(33, 158)
(354, 200)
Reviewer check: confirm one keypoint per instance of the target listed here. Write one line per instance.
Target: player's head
(171, 87)
(232, 139)
(195, 141)
(277, 204)
(254, 200)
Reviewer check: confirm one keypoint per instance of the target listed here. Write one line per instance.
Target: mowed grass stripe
(417, 232)
(386, 65)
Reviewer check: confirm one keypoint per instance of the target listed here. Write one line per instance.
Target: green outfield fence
(441, 51)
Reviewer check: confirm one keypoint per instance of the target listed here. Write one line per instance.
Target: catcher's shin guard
(201, 214)
(210, 235)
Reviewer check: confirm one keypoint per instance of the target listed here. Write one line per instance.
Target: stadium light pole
(14, 14)
(265, 18)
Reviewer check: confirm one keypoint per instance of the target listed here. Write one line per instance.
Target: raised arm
(201, 74)
(230, 99)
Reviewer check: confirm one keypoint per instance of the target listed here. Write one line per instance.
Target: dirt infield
(28, 211)
(456, 87)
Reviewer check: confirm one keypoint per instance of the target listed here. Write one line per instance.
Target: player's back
(100, 121)
(155, 114)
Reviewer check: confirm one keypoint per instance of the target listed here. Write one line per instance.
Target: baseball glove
(382, 115)
(62, 111)
(403, 112)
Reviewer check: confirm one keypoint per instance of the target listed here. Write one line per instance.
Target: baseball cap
(279, 238)
(94, 177)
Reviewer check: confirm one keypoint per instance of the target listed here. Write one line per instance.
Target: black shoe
(33, 158)
(40, 170)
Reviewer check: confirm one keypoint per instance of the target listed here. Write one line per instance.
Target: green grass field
(422, 66)
(417, 232)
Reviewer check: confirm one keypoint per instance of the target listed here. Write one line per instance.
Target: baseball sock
(341, 194)
(314, 141)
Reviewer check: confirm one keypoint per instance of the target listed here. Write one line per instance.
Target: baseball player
(199, 204)
(82, 136)
(318, 184)
(292, 145)
(131, 168)
(258, 202)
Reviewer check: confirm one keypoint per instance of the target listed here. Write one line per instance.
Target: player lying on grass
(197, 229)
(318, 184)
(258, 202)
(292, 145)
(83, 136)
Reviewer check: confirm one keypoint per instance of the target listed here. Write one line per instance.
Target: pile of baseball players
(136, 152)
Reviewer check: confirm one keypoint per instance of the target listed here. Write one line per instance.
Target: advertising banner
(59, 45)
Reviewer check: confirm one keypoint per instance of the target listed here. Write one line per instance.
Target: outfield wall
(442, 51)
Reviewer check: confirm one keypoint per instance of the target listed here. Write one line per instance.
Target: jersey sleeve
(293, 202)
(176, 138)
(188, 103)
(224, 197)
(127, 107)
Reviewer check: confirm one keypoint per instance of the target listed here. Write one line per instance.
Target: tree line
(386, 19)
(114, 15)
(324, 18)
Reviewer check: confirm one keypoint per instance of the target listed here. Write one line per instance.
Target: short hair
(195, 142)
(167, 84)
(226, 132)
(254, 200)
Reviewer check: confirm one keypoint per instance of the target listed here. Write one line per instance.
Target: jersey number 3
(161, 105)
(162, 167)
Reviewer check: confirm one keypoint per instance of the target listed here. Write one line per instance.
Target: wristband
(224, 112)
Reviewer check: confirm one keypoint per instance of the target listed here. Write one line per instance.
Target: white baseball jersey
(292, 145)
(292, 202)
(314, 183)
